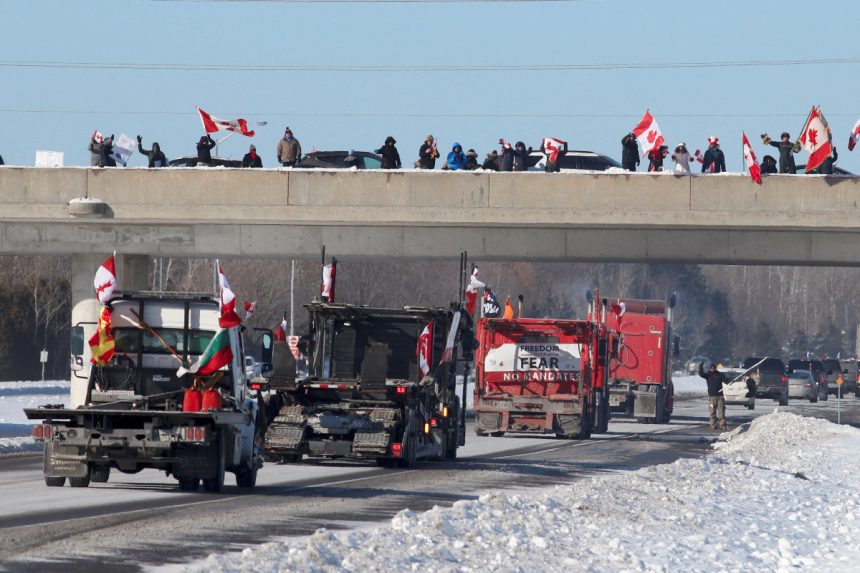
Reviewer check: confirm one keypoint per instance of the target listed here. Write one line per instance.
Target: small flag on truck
(218, 353)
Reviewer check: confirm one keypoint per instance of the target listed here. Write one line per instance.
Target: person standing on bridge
(289, 150)
(521, 157)
(629, 152)
(715, 159)
(682, 158)
(155, 157)
(786, 151)
(204, 150)
(656, 157)
(768, 165)
(389, 153)
(427, 154)
(456, 160)
(251, 158)
(716, 400)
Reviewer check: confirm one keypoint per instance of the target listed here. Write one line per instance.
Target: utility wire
(419, 68)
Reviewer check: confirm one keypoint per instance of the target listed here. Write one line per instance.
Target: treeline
(722, 312)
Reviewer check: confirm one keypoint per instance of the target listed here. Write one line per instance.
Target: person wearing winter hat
(491, 163)
(682, 158)
(655, 158)
(716, 400)
(471, 160)
(155, 157)
(506, 156)
(427, 154)
(521, 157)
(456, 160)
(786, 149)
(629, 152)
(106, 153)
(768, 165)
(714, 160)
(204, 150)
(389, 153)
(289, 151)
(251, 158)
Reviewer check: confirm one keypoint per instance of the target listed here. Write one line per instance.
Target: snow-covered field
(689, 386)
(15, 428)
(776, 496)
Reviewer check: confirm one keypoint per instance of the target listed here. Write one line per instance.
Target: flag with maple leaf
(424, 351)
(228, 317)
(648, 133)
(280, 333)
(815, 139)
(855, 136)
(472, 291)
(749, 157)
(105, 280)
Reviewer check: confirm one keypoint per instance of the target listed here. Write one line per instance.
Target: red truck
(540, 376)
(640, 372)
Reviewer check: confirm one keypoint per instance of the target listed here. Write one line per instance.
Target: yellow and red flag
(102, 343)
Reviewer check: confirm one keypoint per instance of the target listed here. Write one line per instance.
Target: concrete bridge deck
(796, 220)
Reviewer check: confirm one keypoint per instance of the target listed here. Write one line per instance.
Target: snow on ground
(689, 386)
(775, 496)
(15, 428)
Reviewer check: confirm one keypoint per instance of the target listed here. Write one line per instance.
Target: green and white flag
(217, 354)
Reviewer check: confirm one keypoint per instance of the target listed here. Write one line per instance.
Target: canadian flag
(212, 124)
(815, 140)
(281, 331)
(552, 147)
(648, 133)
(250, 308)
(328, 277)
(97, 136)
(855, 135)
(472, 291)
(749, 157)
(105, 280)
(424, 351)
(228, 317)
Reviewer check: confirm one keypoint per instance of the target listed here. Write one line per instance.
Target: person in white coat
(682, 158)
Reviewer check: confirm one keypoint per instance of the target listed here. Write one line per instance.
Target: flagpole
(292, 288)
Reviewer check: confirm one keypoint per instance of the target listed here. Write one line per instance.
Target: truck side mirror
(676, 345)
(266, 343)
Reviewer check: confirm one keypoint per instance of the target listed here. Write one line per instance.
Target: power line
(371, 1)
(419, 68)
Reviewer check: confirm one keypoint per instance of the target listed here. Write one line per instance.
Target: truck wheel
(408, 461)
(451, 447)
(81, 481)
(189, 484)
(216, 483)
(667, 415)
(55, 481)
(783, 400)
(100, 474)
(246, 478)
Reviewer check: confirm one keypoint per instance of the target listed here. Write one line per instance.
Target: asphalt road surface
(140, 520)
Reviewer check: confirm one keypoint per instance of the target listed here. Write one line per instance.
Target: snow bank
(776, 497)
(15, 428)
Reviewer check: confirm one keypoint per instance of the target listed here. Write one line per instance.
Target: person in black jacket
(786, 151)
(629, 152)
(521, 156)
(251, 158)
(506, 156)
(427, 154)
(714, 160)
(491, 163)
(768, 165)
(390, 156)
(1, 160)
(204, 150)
(106, 153)
(716, 401)
(155, 156)
(471, 160)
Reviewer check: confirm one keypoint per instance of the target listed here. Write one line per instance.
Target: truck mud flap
(567, 425)
(64, 461)
(371, 442)
(285, 437)
(488, 422)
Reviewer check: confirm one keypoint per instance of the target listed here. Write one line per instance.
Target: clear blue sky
(57, 108)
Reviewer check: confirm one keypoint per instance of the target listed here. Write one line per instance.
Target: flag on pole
(814, 139)
(472, 291)
(509, 308)
(491, 304)
(105, 280)
(212, 124)
(424, 351)
(855, 136)
(250, 307)
(228, 317)
(281, 331)
(648, 133)
(97, 136)
(749, 157)
(328, 277)
(218, 353)
(102, 342)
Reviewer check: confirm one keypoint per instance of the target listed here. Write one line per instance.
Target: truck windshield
(132, 341)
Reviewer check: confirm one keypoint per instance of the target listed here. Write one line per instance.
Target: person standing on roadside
(289, 150)
(389, 153)
(251, 158)
(155, 157)
(786, 150)
(716, 400)
(427, 154)
(629, 152)
(715, 159)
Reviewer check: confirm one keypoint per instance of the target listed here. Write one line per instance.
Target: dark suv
(340, 160)
(818, 372)
(573, 161)
(834, 370)
(769, 378)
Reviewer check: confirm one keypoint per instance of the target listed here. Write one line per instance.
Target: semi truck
(640, 372)
(139, 410)
(541, 376)
(380, 385)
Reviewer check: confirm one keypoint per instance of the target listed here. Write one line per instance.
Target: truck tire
(216, 483)
(100, 474)
(189, 484)
(82, 481)
(246, 478)
(55, 481)
(451, 447)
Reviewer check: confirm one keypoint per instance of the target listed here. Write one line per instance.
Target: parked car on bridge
(802, 384)
(817, 368)
(340, 160)
(191, 161)
(801, 170)
(574, 161)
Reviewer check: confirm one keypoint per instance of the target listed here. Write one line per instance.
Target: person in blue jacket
(456, 159)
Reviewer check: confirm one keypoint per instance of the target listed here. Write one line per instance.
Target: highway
(142, 520)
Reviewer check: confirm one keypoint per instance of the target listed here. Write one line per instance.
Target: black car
(574, 161)
(340, 160)
(191, 161)
(818, 372)
(769, 377)
(801, 170)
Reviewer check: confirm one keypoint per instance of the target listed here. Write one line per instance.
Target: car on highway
(739, 389)
(574, 160)
(340, 160)
(801, 170)
(769, 377)
(191, 161)
(833, 372)
(852, 377)
(802, 384)
(817, 368)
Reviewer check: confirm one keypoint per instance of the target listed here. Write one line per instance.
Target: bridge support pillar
(132, 274)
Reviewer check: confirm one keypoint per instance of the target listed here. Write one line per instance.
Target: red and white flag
(424, 351)
(212, 124)
(250, 308)
(552, 147)
(648, 133)
(281, 331)
(472, 291)
(855, 136)
(815, 140)
(97, 136)
(105, 280)
(228, 317)
(328, 277)
(749, 157)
